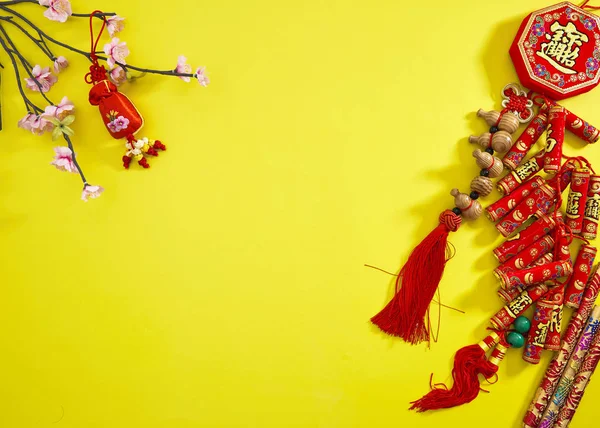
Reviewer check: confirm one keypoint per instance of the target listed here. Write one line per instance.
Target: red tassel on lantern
(469, 362)
(404, 315)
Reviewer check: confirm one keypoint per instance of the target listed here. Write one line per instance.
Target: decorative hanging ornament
(556, 51)
(557, 55)
(121, 118)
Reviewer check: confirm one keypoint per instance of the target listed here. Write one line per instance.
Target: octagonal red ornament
(557, 51)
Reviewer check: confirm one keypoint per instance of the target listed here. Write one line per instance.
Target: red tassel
(404, 315)
(469, 362)
(160, 146)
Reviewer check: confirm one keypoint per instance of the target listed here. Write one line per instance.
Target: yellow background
(225, 286)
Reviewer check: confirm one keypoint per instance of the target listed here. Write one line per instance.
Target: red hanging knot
(97, 72)
(450, 220)
(516, 103)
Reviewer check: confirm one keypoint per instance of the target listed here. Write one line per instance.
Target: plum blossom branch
(26, 65)
(57, 118)
(70, 145)
(41, 44)
(12, 51)
(41, 34)
(29, 105)
(45, 36)
(11, 2)
(96, 15)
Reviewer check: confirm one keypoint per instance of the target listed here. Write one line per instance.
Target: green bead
(516, 340)
(522, 324)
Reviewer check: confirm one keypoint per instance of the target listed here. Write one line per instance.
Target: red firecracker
(555, 299)
(514, 245)
(529, 255)
(526, 277)
(582, 270)
(592, 209)
(509, 294)
(503, 206)
(555, 139)
(505, 317)
(527, 139)
(539, 201)
(538, 332)
(515, 178)
(580, 182)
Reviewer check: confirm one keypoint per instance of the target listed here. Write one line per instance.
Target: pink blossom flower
(90, 191)
(182, 67)
(58, 10)
(201, 76)
(35, 124)
(40, 125)
(43, 77)
(60, 111)
(114, 24)
(118, 124)
(63, 160)
(117, 75)
(116, 51)
(27, 121)
(60, 64)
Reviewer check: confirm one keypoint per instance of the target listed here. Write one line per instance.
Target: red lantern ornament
(121, 118)
(555, 51)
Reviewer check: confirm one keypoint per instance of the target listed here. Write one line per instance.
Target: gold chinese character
(573, 204)
(527, 169)
(518, 305)
(542, 332)
(556, 321)
(562, 48)
(592, 208)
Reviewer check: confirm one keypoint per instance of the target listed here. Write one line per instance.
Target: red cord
(94, 44)
(585, 6)
(97, 71)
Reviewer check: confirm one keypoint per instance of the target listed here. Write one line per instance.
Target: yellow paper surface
(225, 286)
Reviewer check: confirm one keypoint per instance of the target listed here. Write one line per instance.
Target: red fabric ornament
(554, 52)
(121, 118)
(119, 115)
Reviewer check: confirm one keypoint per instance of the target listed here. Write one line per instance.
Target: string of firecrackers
(120, 117)
(534, 259)
(535, 268)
